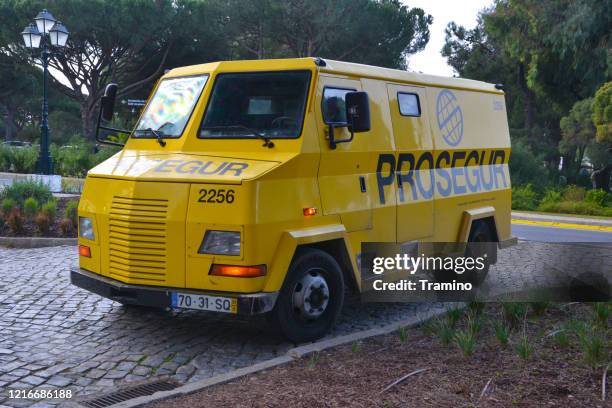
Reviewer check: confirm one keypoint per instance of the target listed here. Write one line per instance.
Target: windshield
(170, 108)
(263, 104)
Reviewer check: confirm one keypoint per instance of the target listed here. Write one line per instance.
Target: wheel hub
(311, 295)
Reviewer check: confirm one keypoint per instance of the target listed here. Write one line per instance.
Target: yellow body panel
(421, 178)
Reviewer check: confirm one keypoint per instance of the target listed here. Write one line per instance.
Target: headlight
(221, 243)
(86, 228)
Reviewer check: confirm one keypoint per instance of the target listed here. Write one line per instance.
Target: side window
(409, 104)
(334, 105)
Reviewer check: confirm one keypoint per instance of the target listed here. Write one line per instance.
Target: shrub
(50, 209)
(23, 159)
(71, 160)
(66, 226)
(5, 161)
(561, 338)
(21, 190)
(597, 197)
(551, 196)
(524, 198)
(7, 205)
(593, 346)
(574, 193)
(15, 220)
(476, 307)
(574, 207)
(601, 312)
(71, 213)
(43, 222)
(30, 207)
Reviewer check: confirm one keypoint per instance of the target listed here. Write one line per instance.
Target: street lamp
(34, 37)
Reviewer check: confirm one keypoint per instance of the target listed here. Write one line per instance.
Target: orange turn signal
(238, 271)
(84, 251)
(309, 211)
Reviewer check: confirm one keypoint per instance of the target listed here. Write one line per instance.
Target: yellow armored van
(248, 186)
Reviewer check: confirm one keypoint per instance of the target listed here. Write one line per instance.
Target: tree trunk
(601, 178)
(9, 124)
(89, 118)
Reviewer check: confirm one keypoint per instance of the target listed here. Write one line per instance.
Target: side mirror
(358, 112)
(107, 102)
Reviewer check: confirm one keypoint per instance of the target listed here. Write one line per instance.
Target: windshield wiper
(159, 135)
(267, 142)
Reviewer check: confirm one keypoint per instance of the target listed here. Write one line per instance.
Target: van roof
(335, 67)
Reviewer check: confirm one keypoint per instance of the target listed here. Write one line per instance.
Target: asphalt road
(556, 234)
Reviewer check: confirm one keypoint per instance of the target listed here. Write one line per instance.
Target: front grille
(137, 238)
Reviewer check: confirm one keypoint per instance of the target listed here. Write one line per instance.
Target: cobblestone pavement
(54, 335)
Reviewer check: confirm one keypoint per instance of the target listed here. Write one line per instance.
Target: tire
(480, 233)
(311, 297)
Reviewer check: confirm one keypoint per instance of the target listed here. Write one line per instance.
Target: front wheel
(480, 245)
(311, 298)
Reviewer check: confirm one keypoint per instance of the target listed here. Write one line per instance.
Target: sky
(463, 12)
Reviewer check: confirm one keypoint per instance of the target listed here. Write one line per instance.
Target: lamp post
(50, 35)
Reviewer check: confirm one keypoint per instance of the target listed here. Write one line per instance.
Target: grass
(502, 333)
(597, 217)
(454, 315)
(466, 341)
(356, 347)
(403, 334)
(601, 312)
(524, 348)
(313, 360)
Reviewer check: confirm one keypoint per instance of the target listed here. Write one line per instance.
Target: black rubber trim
(248, 304)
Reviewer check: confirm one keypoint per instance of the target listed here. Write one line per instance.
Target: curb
(35, 242)
(291, 355)
(561, 219)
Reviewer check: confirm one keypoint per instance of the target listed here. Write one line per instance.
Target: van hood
(209, 168)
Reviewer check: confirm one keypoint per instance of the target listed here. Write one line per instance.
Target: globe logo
(450, 117)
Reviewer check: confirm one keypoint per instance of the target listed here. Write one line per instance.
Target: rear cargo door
(415, 162)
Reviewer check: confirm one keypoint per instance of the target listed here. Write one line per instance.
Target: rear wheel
(311, 298)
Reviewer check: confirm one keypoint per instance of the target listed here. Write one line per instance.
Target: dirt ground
(356, 375)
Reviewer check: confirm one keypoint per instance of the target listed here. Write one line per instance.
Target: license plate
(204, 302)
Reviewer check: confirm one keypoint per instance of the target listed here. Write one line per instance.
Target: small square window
(409, 104)
(334, 104)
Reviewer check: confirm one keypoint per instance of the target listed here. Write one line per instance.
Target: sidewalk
(517, 215)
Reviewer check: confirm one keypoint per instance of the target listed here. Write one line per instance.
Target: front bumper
(248, 304)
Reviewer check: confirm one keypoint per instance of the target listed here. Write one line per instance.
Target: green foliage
(524, 348)
(19, 191)
(561, 338)
(7, 205)
(19, 159)
(50, 210)
(66, 227)
(403, 334)
(71, 160)
(454, 315)
(602, 112)
(524, 198)
(514, 312)
(466, 341)
(593, 346)
(356, 347)
(574, 193)
(598, 197)
(571, 207)
(539, 308)
(444, 330)
(71, 213)
(477, 307)
(526, 167)
(502, 332)
(30, 207)
(601, 312)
